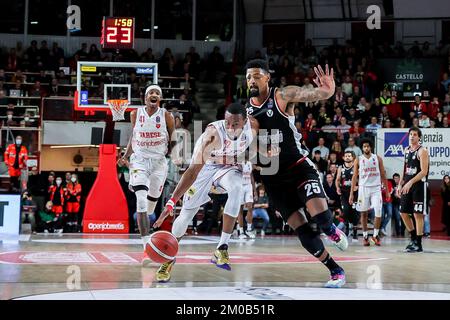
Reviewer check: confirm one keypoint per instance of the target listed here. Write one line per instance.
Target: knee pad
(233, 204)
(325, 221)
(141, 200)
(181, 223)
(151, 204)
(310, 240)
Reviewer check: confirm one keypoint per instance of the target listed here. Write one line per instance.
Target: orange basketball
(162, 247)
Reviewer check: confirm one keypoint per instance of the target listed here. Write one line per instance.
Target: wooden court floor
(76, 266)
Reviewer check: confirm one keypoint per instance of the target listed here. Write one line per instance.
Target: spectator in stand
(215, 64)
(32, 52)
(317, 159)
(418, 107)
(445, 82)
(445, 123)
(395, 110)
(356, 94)
(373, 126)
(385, 97)
(403, 124)
(424, 121)
(361, 106)
(332, 168)
(347, 86)
(371, 111)
(322, 116)
(324, 151)
(434, 107)
(27, 121)
(54, 87)
(82, 54)
(356, 131)
(384, 115)
(350, 103)
(415, 122)
(338, 114)
(94, 54)
(438, 119)
(313, 134)
(353, 147)
(343, 129)
(387, 207)
(37, 90)
(50, 222)
(330, 190)
(336, 148)
(333, 159)
(339, 96)
(387, 124)
(307, 84)
(445, 194)
(352, 116)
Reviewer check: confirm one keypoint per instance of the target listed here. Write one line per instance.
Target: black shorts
(350, 212)
(290, 189)
(415, 201)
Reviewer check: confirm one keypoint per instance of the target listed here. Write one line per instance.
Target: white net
(118, 107)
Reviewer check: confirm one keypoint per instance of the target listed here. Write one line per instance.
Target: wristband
(171, 203)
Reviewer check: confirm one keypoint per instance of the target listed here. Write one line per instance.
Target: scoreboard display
(117, 33)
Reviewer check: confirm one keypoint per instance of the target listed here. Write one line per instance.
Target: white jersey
(150, 136)
(247, 169)
(229, 147)
(369, 171)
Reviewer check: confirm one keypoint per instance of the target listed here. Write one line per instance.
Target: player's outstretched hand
(166, 212)
(325, 79)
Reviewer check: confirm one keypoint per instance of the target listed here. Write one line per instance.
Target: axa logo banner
(395, 143)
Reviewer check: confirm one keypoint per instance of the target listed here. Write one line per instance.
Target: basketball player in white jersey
(369, 169)
(248, 188)
(215, 163)
(150, 142)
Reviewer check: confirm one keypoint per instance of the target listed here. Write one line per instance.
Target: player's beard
(254, 92)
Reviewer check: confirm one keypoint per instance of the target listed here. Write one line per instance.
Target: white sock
(249, 227)
(241, 229)
(145, 240)
(375, 232)
(365, 234)
(224, 238)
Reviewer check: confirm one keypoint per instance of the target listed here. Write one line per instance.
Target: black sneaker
(416, 247)
(410, 245)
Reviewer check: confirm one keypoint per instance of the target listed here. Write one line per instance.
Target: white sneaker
(251, 234)
(243, 236)
(339, 240)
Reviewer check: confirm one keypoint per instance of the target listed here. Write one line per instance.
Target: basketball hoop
(118, 107)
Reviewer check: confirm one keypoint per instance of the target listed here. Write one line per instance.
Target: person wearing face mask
(26, 122)
(73, 199)
(10, 122)
(16, 156)
(57, 193)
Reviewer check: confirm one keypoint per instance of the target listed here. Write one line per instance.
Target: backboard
(100, 81)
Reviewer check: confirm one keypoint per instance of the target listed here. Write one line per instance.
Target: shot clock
(117, 33)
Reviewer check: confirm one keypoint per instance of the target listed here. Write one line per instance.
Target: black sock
(330, 263)
(419, 240)
(413, 234)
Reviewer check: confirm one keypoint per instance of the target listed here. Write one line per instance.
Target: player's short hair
(351, 152)
(237, 108)
(257, 63)
(419, 132)
(395, 175)
(363, 141)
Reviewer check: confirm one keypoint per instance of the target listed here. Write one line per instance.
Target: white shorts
(150, 172)
(369, 197)
(247, 194)
(208, 178)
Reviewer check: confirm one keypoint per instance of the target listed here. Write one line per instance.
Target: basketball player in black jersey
(296, 183)
(343, 185)
(413, 188)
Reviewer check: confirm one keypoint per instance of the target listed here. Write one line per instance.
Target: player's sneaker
(163, 273)
(339, 239)
(366, 242)
(146, 261)
(410, 245)
(251, 234)
(243, 235)
(415, 248)
(337, 279)
(375, 240)
(221, 258)
(355, 236)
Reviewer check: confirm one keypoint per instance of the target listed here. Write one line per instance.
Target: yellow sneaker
(163, 273)
(221, 258)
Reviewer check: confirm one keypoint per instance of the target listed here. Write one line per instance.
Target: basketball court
(98, 267)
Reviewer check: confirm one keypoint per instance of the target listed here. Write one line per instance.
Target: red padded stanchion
(106, 209)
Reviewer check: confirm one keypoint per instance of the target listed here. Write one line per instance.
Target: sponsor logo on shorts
(191, 191)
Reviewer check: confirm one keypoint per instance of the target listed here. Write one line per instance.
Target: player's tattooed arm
(325, 88)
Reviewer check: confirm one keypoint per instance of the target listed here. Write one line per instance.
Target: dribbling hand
(123, 162)
(168, 211)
